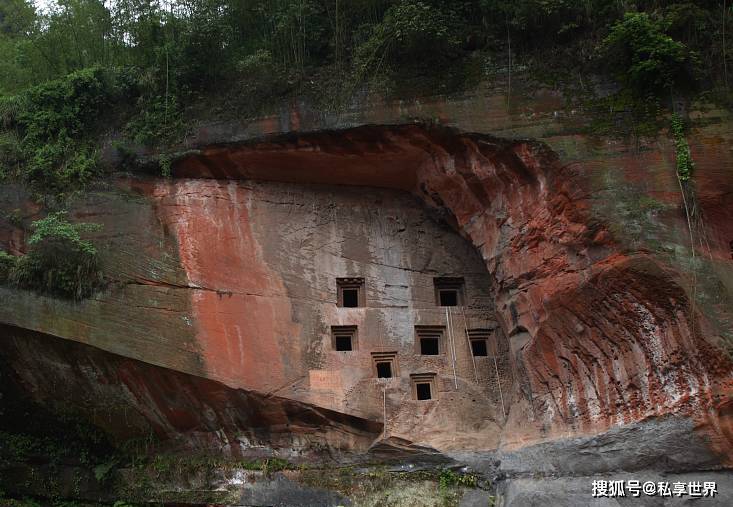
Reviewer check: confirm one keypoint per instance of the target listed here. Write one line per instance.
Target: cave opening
(385, 364)
(343, 343)
(479, 339)
(479, 348)
(343, 338)
(448, 291)
(429, 340)
(448, 298)
(429, 346)
(384, 369)
(423, 391)
(350, 292)
(350, 298)
(423, 386)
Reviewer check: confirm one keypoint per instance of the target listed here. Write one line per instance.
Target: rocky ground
(617, 330)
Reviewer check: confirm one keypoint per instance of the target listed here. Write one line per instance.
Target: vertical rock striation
(600, 334)
(233, 281)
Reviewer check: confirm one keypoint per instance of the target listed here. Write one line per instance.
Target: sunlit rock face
(599, 335)
(263, 260)
(229, 271)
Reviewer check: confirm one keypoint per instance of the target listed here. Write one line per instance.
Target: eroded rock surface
(129, 398)
(228, 273)
(600, 335)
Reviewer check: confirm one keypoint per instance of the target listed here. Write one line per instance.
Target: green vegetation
(28, 502)
(7, 263)
(11, 502)
(448, 478)
(623, 115)
(58, 262)
(651, 68)
(683, 156)
(449, 481)
(38, 442)
(647, 61)
(47, 130)
(198, 479)
(143, 70)
(411, 35)
(380, 486)
(166, 467)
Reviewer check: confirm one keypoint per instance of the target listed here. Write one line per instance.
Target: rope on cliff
(495, 350)
(699, 229)
(384, 411)
(468, 341)
(453, 341)
(449, 328)
(692, 254)
(683, 170)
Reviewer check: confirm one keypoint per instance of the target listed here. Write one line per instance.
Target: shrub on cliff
(7, 263)
(47, 132)
(59, 262)
(158, 122)
(411, 33)
(645, 59)
(683, 157)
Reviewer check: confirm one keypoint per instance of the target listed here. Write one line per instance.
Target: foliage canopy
(144, 69)
(59, 261)
(647, 60)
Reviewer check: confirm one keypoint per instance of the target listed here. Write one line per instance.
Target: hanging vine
(683, 157)
(684, 166)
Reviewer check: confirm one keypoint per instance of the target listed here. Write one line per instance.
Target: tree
(59, 261)
(412, 33)
(17, 26)
(17, 18)
(645, 59)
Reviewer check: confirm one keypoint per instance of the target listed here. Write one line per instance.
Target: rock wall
(263, 259)
(580, 262)
(258, 299)
(600, 335)
(129, 398)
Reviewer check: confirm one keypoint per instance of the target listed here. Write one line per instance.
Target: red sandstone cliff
(600, 335)
(598, 331)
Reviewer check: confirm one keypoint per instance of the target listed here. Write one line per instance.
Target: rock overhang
(533, 221)
(555, 268)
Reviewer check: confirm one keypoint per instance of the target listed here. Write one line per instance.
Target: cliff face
(130, 398)
(600, 335)
(576, 262)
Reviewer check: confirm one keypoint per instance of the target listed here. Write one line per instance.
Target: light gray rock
(577, 491)
(282, 492)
